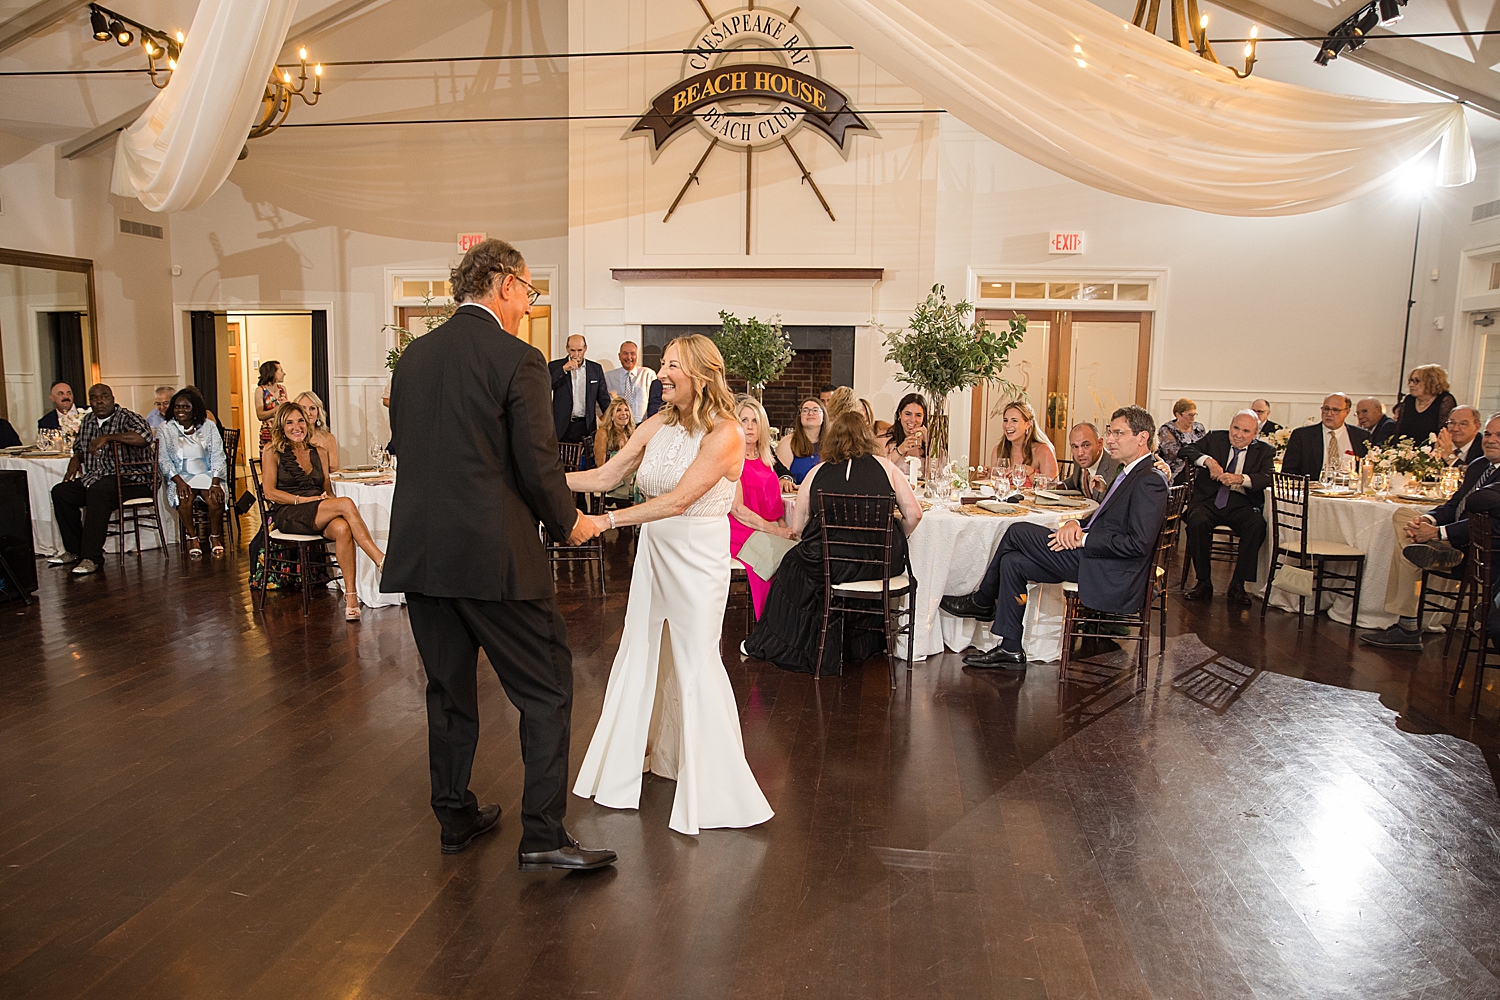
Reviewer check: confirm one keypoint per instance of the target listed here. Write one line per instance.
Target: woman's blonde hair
(1434, 378)
(700, 360)
(842, 399)
(615, 436)
(1032, 437)
(763, 425)
(802, 446)
(279, 441)
(322, 424)
(1182, 406)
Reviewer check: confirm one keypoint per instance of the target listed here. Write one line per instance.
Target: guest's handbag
(1294, 580)
(763, 552)
(244, 503)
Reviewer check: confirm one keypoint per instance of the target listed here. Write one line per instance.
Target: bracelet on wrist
(611, 519)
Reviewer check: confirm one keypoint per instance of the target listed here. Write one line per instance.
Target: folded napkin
(996, 507)
(763, 552)
(1047, 498)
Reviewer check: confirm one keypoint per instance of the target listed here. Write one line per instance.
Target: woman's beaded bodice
(668, 454)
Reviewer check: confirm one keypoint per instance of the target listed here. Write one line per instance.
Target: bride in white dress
(669, 705)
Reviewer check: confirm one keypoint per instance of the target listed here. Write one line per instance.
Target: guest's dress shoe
(997, 658)
(62, 559)
(85, 567)
(488, 819)
(1432, 555)
(964, 606)
(572, 857)
(1393, 637)
(1201, 591)
(1237, 595)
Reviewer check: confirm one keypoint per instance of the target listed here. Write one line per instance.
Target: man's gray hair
(474, 276)
(1247, 412)
(173, 388)
(1465, 406)
(1139, 418)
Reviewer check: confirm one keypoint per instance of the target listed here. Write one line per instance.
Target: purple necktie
(1222, 497)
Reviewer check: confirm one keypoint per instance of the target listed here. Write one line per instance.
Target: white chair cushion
(1318, 548)
(287, 536)
(1070, 587)
(139, 501)
(873, 586)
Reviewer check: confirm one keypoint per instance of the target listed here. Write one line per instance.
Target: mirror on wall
(47, 334)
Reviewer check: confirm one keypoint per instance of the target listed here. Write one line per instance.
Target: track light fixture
(1350, 33)
(100, 24)
(158, 45)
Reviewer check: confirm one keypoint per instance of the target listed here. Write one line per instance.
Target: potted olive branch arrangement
(944, 349)
(404, 337)
(755, 351)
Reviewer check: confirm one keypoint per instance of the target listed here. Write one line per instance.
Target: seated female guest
(907, 436)
(1182, 429)
(797, 452)
(191, 457)
(787, 633)
(302, 501)
(319, 436)
(614, 431)
(842, 399)
(1022, 444)
(757, 498)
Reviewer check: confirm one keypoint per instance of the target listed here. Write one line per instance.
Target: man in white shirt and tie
(1326, 445)
(1436, 540)
(631, 381)
(1459, 441)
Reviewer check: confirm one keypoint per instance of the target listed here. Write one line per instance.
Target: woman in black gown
(787, 633)
(302, 502)
(1428, 402)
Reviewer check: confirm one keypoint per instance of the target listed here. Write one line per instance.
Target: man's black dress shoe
(964, 606)
(997, 657)
(573, 857)
(489, 818)
(1237, 595)
(1201, 591)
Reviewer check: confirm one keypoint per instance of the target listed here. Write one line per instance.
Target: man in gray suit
(1096, 468)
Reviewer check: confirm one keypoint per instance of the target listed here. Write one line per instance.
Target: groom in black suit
(1234, 470)
(470, 417)
(1108, 554)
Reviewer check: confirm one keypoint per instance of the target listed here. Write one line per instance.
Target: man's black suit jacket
(470, 418)
(1447, 516)
(653, 401)
(596, 391)
(1383, 431)
(49, 421)
(1268, 428)
(1304, 449)
(1259, 463)
(1120, 540)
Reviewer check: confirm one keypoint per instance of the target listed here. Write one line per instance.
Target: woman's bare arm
(618, 469)
(268, 464)
(751, 519)
(720, 456)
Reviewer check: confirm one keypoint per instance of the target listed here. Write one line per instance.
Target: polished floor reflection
(197, 804)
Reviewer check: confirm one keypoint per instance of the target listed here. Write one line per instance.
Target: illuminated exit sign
(1065, 243)
(467, 241)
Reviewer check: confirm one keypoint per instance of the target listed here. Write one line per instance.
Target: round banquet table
(44, 472)
(1363, 522)
(949, 552)
(373, 498)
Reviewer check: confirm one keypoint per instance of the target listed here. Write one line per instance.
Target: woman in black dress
(787, 633)
(1428, 402)
(302, 501)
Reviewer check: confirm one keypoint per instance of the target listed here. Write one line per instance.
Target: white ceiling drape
(182, 148)
(1079, 90)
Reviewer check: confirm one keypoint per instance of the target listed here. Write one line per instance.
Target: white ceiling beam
(36, 19)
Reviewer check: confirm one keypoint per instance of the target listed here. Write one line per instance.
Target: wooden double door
(1072, 367)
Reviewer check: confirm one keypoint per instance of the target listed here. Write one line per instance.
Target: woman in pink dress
(757, 501)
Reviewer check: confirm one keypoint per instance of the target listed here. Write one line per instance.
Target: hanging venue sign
(750, 80)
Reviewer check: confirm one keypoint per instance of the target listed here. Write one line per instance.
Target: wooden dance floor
(197, 804)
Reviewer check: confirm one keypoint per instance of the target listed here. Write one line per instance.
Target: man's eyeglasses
(531, 293)
(1333, 409)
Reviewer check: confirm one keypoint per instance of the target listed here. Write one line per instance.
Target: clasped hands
(1422, 530)
(1069, 535)
(1217, 474)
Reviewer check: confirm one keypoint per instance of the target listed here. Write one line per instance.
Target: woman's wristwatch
(611, 519)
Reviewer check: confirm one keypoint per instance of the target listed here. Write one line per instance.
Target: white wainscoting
(359, 419)
(1289, 409)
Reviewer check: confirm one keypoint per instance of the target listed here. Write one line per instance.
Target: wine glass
(1018, 475)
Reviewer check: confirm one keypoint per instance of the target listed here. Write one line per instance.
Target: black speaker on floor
(17, 554)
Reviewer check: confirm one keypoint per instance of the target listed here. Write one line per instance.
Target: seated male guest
(1095, 468)
(1312, 449)
(1435, 540)
(1230, 490)
(89, 484)
(1108, 554)
(162, 411)
(62, 404)
(1458, 442)
(1262, 410)
(1370, 414)
(8, 436)
(579, 395)
(631, 381)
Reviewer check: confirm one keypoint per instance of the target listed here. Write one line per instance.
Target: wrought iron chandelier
(1190, 30)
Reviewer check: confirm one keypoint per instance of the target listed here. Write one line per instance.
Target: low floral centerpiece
(1405, 457)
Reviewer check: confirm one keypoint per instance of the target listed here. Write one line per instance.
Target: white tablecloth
(1364, 523)
(374, 503)
(949, 554)
(44, 473)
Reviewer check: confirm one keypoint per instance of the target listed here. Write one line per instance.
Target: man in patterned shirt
(89, 484)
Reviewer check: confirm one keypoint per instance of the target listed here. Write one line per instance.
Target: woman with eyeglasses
(1182, 429)
(1424, 411)
(797, 452)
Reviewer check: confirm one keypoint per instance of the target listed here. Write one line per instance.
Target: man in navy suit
(1436, 540)
(579, 394)
(1108, 554)
(653, 401)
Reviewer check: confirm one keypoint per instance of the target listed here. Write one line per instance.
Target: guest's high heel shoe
(351, 611)
(216, 545)
(195, 547)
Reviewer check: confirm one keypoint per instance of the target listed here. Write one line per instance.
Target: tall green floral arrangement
(404, 337)
(944, 348)
(755, 351)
